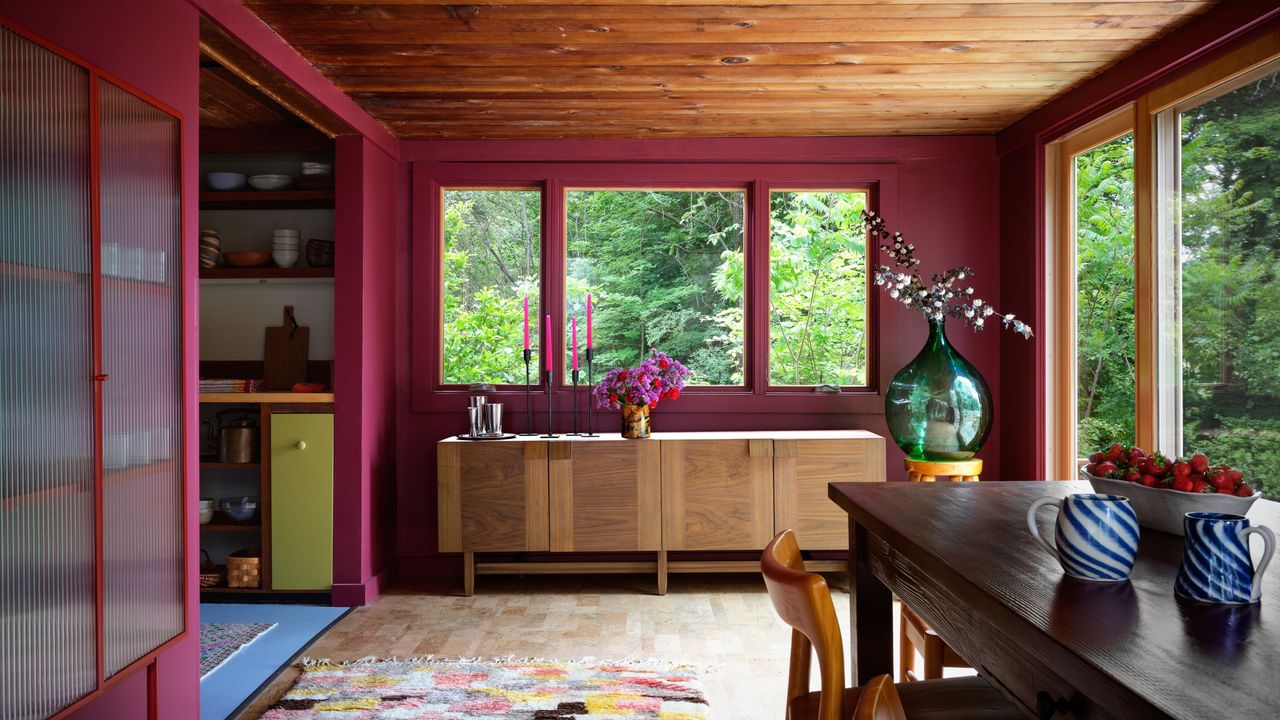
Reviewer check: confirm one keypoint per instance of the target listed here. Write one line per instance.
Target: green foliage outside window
(492, 255)
(817, 289)
(654, 263)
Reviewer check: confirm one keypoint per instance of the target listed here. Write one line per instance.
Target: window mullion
(553, 273)
(756, 311)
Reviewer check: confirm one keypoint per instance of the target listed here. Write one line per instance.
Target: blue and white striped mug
(1216, 566)
(1097, 535)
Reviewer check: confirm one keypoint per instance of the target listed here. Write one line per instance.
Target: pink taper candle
(526, 322)
(589, 343)
(546, 344)
(574, 325)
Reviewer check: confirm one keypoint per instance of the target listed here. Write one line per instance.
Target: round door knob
(302, 445)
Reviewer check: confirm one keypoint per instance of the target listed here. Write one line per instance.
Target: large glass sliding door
(47, 441)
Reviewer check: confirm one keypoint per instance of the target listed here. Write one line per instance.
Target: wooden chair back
(879, 701)
(803, 601)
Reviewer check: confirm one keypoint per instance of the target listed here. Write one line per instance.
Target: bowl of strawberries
(1163, 490)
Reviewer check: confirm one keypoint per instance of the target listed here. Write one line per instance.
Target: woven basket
(211, 575)
(244, 568)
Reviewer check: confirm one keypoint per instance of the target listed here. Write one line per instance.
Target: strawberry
(1235, 475)
(1133, 476)
(1221, 481)
(1245, 490)
(1105, 469)
(1199, 463)
(1150, 480)
(1115, 453)
(1181, 470)
(1201, 486)
(1097, 457)
(1137, 456)
(1091, 468)
(1182, 484)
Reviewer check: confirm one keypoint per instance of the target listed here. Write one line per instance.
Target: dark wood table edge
(871, 651)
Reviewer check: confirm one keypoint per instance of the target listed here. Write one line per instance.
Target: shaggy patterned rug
(438, 689)
(219, 641)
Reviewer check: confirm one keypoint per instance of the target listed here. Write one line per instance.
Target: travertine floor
(723, 622)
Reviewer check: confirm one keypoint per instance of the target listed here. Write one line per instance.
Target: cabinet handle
(302, 445)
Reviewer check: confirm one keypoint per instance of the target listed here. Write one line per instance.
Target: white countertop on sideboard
(708, 435)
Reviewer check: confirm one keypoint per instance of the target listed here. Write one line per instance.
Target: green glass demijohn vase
(938, 407)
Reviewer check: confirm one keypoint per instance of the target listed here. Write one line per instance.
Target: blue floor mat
(225, 689)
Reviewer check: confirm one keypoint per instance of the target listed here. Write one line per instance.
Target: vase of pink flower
(638, 390)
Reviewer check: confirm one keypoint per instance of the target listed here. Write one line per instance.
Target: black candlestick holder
(575, 432)
(591, 406)
(549, 434)
(528, 395)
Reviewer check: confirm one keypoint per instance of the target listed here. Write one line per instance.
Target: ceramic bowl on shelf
(223, 181)
(320, 253)
(285, 258)
(286, 232)
(246, 259)
(270, 182)
(1164, 508)
(240, 509)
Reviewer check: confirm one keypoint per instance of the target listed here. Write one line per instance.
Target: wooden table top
(1187, 660)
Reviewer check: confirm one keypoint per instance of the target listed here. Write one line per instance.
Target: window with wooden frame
(665, 269)
(819, 289)
(492, 260)
(1206, 304)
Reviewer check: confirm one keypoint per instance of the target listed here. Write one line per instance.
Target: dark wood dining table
(960, 555)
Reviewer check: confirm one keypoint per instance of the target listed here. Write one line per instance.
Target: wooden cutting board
(286, 352)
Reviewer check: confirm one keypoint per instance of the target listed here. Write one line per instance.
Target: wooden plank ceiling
(700, 68)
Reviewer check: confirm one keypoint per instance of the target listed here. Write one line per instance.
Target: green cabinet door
(301, 501)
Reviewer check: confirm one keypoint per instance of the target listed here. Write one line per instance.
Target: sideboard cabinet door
(493, 496)
(801, 471)
(717, 494)
(606, 495)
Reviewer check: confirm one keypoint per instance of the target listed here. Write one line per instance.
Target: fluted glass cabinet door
(142, 397)
(47, 533)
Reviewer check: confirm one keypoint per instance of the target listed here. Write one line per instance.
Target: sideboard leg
(468, 573)
(662, 572)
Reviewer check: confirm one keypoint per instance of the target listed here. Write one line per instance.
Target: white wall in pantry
(234, 316)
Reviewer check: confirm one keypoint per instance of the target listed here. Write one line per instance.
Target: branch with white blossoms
(946, 295)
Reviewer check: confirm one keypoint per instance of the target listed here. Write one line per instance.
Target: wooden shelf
(259, 398)
(206, 465)
(231, 526)
(267, 200)
(265, 273)
(262, 591)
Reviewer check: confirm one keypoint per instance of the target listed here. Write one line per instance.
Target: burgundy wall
(1021, 148)
(153, 45)
(364, 285)
(940, 192)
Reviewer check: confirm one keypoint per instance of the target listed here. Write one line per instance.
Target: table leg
(870, 614)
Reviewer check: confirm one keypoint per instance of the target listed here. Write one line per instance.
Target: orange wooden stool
(915, 633)
(931, 470)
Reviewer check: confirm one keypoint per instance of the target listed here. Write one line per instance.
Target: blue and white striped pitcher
(1097, 535)
(1216, 566)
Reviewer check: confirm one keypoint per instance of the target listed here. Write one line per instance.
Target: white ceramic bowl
(285, 258)
(224, 181)
(1163, 508)
(286, 232)
(270, 182)
(285, 244)
(206, 516)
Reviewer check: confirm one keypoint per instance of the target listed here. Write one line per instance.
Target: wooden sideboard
(673, 492)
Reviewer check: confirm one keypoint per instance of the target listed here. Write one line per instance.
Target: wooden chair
(879, 701)
(914, 633)
(803, 601)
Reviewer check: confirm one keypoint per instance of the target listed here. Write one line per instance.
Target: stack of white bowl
(286, 247)
(206, 510)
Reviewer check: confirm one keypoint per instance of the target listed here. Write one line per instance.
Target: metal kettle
(238, 440)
